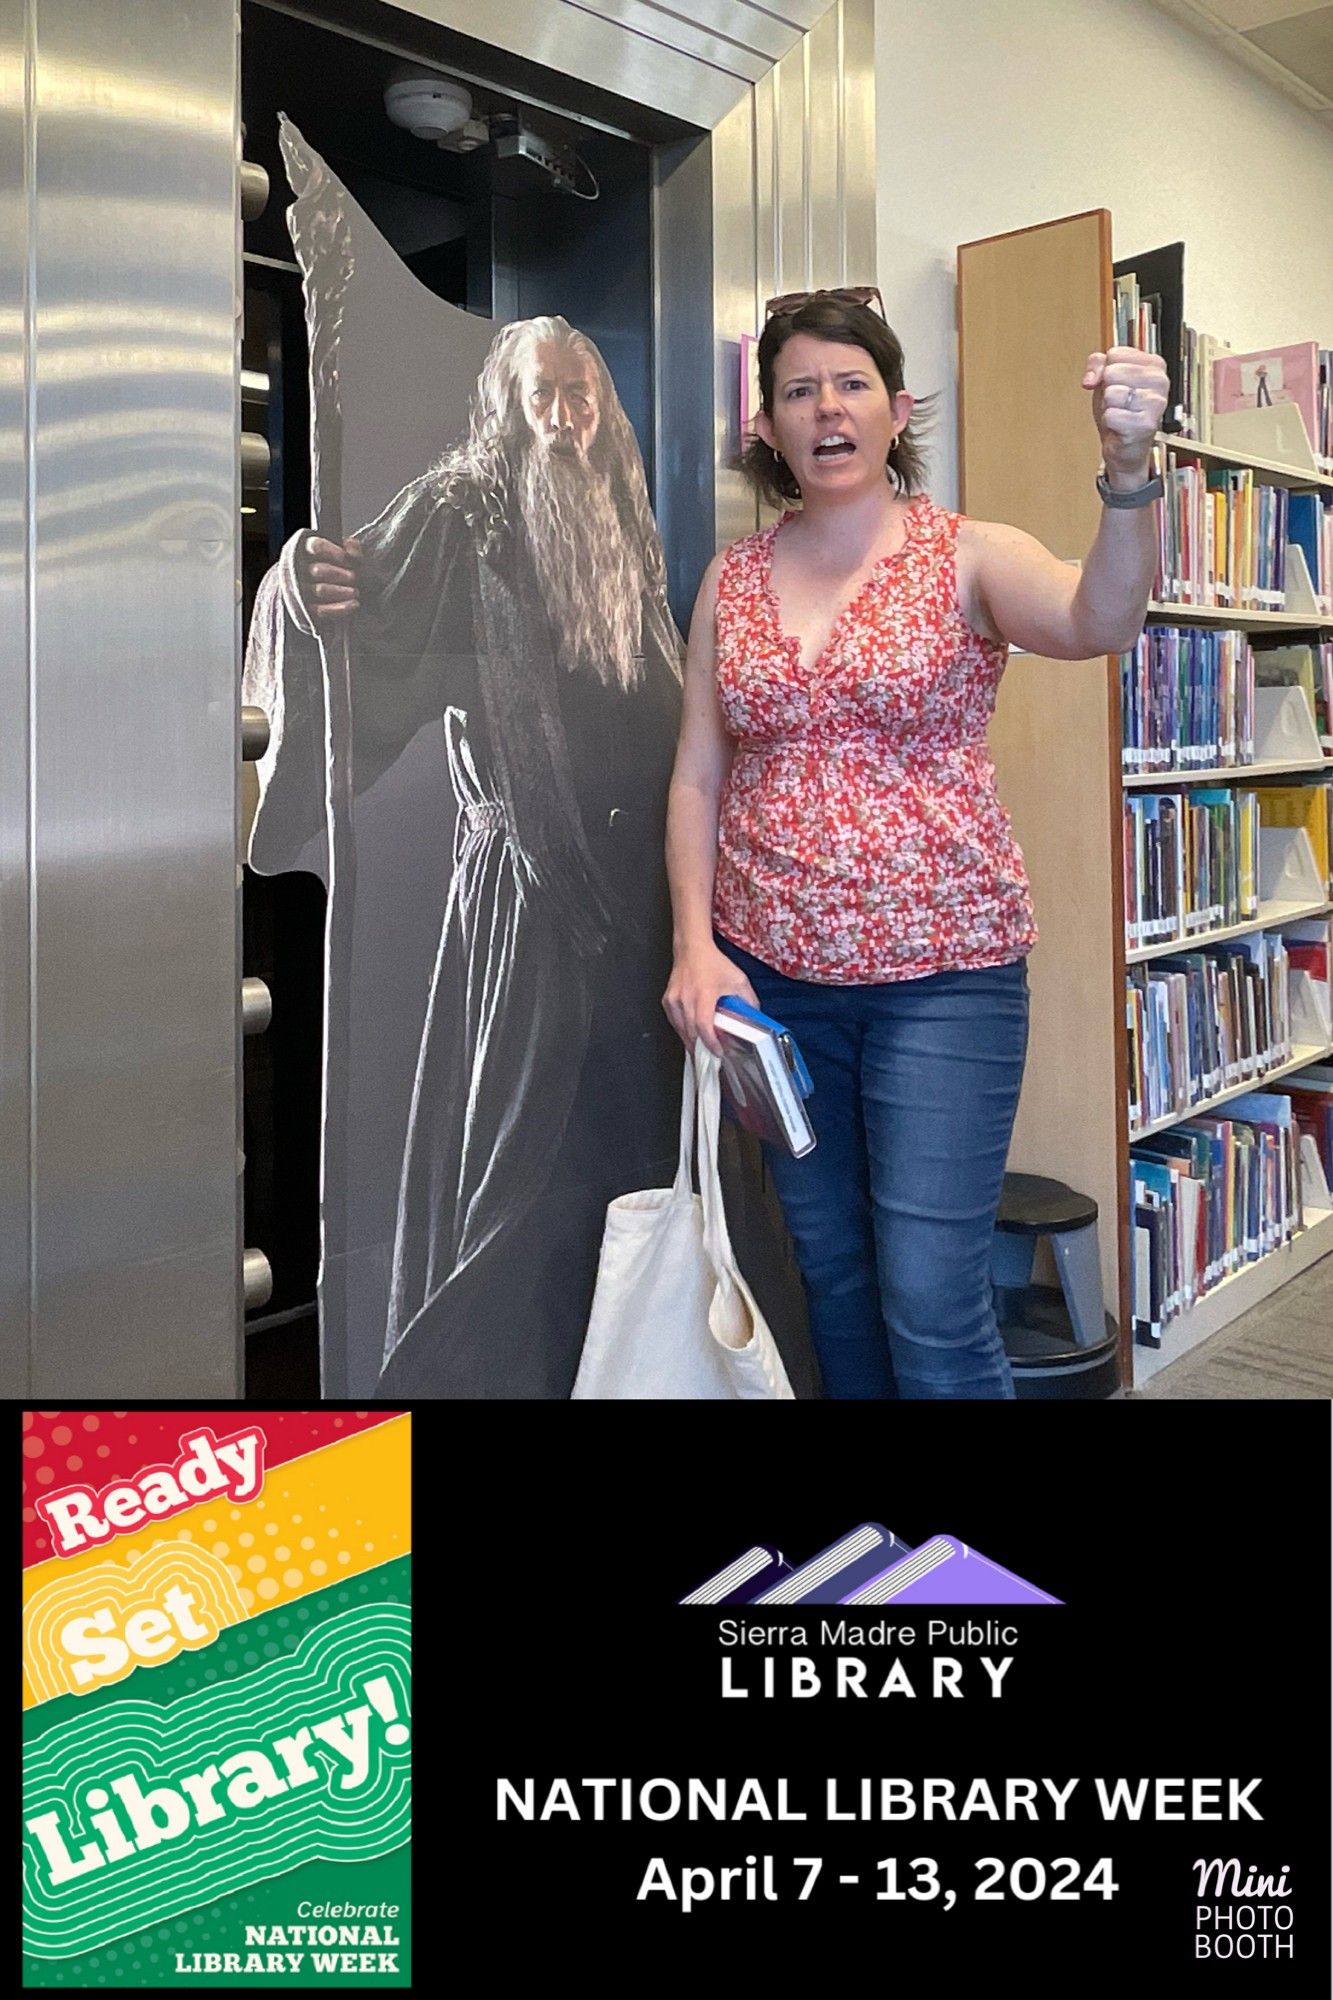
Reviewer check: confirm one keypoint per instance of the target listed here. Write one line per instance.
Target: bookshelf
(1208, 614)
(1031, 305)
(1273, 470)
(1271, 917)
(1308, 1053)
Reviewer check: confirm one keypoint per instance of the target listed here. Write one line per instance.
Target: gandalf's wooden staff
(321, 236)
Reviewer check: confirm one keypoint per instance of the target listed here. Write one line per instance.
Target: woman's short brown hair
(840, 319)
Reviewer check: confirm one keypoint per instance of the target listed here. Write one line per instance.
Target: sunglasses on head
(857, 295)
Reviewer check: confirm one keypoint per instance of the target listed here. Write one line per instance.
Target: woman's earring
(777, 455)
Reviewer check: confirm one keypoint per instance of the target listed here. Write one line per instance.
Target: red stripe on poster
(96, 1447)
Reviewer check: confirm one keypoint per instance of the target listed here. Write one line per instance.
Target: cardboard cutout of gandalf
(476, 762)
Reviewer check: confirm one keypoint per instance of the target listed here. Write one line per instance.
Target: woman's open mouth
(835, 446)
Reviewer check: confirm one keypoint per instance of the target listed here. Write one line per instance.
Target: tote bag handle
(682, 1186)
(707, 1078)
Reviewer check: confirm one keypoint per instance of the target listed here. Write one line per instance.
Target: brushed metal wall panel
(860, 251)
(824, 46)
(789, 87)
(683, 456)
(723, 35)
(14, 958)
(133, 559)
(764, 194)
(736, 305)
(574, 40)
(802, 14)
(793, 204)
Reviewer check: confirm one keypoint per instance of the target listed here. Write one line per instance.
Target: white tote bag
(671, 1314)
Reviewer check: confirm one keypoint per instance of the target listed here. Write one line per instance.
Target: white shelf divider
(1275, 433)
(1283, 725)
(1300, 600)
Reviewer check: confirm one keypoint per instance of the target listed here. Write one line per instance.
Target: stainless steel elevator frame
(120, 975)
(120, 1267)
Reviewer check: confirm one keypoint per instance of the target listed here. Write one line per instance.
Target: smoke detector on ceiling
(434, 107)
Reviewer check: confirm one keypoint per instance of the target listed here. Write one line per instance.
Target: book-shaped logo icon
(743, 1579)
(842, 1567)
(946, 1571)
(871, 1565)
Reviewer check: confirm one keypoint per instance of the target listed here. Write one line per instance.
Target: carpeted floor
(1283, 1348)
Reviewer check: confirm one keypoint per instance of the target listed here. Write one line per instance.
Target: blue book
(764, 1077)
(1305, 526)
(795, 1061)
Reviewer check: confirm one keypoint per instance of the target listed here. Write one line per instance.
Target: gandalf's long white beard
(590, 577)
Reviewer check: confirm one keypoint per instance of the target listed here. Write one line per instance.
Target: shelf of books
(1175, 804)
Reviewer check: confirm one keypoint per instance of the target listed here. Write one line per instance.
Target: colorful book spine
(1187, 700)
(1189, 863)
(1206, 1022)
(1222, 538)
(1208, 1197)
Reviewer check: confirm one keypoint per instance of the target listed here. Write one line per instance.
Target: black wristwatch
(1141, 496)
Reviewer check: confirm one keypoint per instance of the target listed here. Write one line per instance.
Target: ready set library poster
(217, 1698)
(1033, 1694)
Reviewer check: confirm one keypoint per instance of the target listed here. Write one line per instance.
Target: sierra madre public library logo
(870, 1565)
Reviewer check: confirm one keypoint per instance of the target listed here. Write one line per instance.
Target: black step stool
(1060, 1341)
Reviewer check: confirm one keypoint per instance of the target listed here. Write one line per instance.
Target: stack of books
(1187, 699)
(1201, 351)
(1190, 863)
(1217, 382)
(764, 1078)
(1207, 1198)
(1297, 373)
(1208, 381)
(1204, 1022)
(871, 1565)
(1222, 539)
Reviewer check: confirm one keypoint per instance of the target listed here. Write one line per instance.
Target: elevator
(161, 1003)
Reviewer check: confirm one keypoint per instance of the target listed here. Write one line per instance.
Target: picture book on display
(1266, 376)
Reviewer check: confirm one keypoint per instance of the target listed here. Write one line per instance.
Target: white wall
(997, 114)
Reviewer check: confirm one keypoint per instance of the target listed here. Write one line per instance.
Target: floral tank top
(860, 836)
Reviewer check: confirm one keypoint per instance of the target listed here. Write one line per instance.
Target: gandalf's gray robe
(547, 1079)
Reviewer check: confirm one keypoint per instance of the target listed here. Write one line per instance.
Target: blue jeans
(892, 1215)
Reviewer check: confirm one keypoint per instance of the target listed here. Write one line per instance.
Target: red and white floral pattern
(860, 836)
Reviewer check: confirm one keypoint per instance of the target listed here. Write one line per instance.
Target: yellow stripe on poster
(94, 1629)
(327, 1515)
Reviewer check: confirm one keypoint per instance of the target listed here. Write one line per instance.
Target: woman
(836, 850)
